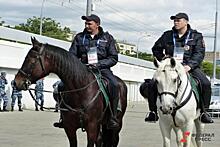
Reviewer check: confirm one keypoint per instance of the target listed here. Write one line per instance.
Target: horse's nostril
(171, 108)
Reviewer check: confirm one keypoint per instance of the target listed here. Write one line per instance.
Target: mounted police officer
(96, 47)
(39, 94)
(16, 94)
(3, 82)
(187, 45)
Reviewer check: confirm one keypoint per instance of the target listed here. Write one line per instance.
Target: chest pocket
(191, 44)
(102, 47)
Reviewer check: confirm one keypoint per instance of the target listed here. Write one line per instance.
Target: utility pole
(89, 7)
(41, 15)
(215, 42)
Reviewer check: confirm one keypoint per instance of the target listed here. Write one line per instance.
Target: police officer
(16, 94)
(56, 95)
(3, 82)
(187, 45)
(94, 46)
(39, 94)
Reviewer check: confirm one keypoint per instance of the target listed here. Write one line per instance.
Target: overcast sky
(140, 22)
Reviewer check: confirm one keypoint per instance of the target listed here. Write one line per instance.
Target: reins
(69, 108)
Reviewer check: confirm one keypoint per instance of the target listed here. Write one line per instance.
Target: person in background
(16, 94)
(39, 94)
(56, 95)
(3, 96)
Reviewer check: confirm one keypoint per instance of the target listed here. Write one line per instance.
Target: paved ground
(34, 129)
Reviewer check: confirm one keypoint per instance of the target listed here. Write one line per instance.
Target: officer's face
(91, 26)
(180, 23)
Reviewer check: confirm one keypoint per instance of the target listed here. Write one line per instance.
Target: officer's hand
(187, 68)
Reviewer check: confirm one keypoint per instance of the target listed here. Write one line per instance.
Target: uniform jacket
(193, 57)
(3, 82)
(39, 86)
(15, 92)
(106, 49)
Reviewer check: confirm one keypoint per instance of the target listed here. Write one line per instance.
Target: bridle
(170, 93)
(181, 104)
(39, 58)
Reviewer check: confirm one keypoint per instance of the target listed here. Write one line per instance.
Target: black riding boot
(204, 116)
(19, 108)
(12, 108)
(36, 108)
(60, 123)
(152, 116)
(4, 109)
(113, 122)
(41, 106)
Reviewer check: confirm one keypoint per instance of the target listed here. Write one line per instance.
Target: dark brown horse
(85, 105)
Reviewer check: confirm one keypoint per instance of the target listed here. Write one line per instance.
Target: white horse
(176, 104)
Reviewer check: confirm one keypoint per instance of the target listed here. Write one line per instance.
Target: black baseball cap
(92, 17)
(179, 16)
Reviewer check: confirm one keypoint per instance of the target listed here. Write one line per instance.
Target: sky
(140, 22)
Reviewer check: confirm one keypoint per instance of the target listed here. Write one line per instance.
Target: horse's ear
(156, 62)
(35, 42)
(172, 62)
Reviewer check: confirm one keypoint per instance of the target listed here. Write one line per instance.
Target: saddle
(197, 89)
(105, 86)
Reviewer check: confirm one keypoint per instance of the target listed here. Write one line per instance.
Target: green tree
(50, 28)
(207, 67)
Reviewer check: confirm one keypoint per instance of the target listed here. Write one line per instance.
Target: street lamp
(215, 42)
(41, 14)
(138, 41)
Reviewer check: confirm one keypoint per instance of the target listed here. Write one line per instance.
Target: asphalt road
(34, 129)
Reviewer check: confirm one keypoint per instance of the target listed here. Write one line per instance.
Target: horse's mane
(68, 62)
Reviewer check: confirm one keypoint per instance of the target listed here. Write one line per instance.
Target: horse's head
(167, 78)
(33, 67)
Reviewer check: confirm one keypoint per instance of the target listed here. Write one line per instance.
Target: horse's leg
(99, 142)
(179, 136)
(115, 138)
(166, 132)
(106, 136)
(187, 133)
(93, 130)
(71, 134)
(70, 128)
(199, 130)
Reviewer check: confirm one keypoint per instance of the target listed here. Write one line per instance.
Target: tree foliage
(207, 67)
(50, 28)
(141, 55)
